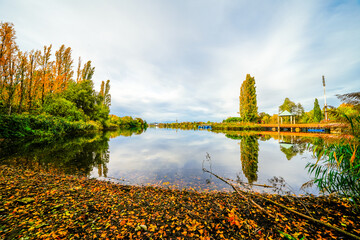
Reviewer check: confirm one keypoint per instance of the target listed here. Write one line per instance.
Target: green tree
(83, 95)
(317, 111)
(63, 108)
(288, 105)
(248, 104)
(298, 110)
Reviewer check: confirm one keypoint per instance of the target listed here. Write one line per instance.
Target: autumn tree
(45, 72)
(62, 68)
(31, 77)
(264, 117)
(248, 103)
(8, 61)
(36, 82)
(351, 98)
(21, 75)
(105, 93)
(317, 111)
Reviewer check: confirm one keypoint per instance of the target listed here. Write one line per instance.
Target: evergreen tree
(317, 111)
(248, 104)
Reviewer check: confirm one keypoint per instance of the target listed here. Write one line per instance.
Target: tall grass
(337, 169)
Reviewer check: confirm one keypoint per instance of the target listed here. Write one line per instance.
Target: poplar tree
(248, 104)
(8, 62)
(317, 111)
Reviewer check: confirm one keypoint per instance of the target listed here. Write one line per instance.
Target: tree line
(248, 109)
(37, 81)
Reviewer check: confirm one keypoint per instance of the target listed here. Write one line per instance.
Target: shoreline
(41, 205)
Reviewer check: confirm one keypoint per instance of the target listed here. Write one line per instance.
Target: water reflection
(77, 155)
(249, 149)
(170, 157)
(292, 146)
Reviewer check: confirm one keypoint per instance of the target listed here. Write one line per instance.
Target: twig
(238, 192)
(282, 206)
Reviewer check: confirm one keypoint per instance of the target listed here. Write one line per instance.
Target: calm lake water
(170, 157)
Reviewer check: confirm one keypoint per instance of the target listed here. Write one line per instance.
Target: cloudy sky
(185, 60)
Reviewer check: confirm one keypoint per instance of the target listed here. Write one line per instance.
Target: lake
(172, 157)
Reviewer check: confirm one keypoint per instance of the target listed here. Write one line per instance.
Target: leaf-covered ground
(39, 205)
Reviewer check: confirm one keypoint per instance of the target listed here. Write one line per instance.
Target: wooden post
(279, 123)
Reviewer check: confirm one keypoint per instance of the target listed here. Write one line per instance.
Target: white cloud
(186, 60)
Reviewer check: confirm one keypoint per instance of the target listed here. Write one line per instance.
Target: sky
(185, 60)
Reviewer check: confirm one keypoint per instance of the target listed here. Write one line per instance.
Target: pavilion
(287, 114)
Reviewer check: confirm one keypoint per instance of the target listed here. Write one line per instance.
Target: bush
(19, 126)
(233, 119)
(127, 122)
(61, 107)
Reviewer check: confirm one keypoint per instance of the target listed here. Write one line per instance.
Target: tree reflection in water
(76, 155)
(292, 146)
(249, 152)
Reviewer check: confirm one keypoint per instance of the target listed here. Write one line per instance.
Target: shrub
(233, 119)
(61, 107)
(19, 126)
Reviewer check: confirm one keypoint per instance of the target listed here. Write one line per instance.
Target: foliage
(61, 107)
(19, 126)
(291, 107)
(68, 154)
(128, 122)
(337, 169)
(317, 111)
(248, 104)
(233, 119)
(351, 98)
(181, 125)
(32, 82)
(295, 149)
(29, 77)
(308, 117)
(345, 109)
(298, 110)
(36, 204)
(264, 117)
(234, 126)
(288, 105)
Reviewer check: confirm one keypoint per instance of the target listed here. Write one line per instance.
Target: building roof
(286, 113)
(286, 145)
